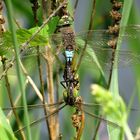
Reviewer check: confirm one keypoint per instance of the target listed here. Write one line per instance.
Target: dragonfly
(97, 44)
(97, 53)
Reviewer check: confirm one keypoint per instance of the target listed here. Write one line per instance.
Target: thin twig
(42, 86)
(31, 82)
(116, 22)
(16, 102)
(44, 9)
(57, 97)
(11, 102)
(96, 130)
(17, 23)
(75, 6)
(11, 110)
(34, 9)
(111, 68)
(86, 41)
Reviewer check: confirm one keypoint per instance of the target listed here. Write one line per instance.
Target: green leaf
(48, 29)
(43, 32)
(6, 42)
(40, 39)
(53, 24)
(134, 46)
(6, 132)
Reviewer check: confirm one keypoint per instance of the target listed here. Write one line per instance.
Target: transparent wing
(35, 106)
(91, 110)
(42, 118)
(89, 116)
(97, 48)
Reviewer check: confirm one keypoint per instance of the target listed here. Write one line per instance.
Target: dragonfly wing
(42, 118)
(97, 48)
(96, 39)
(32, 107)
(31, 52)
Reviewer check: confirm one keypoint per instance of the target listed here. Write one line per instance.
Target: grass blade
(6, 132)
(114, 87)
(18, 69)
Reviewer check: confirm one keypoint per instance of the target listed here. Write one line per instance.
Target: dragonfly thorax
(68, 37)
(70, 96)
(70, 100)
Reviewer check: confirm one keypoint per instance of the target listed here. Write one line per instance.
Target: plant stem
(15, 103)
(57, 97)
(11, 102)
(50, 85)
(97, 128)
(31, 82)
(111, 68)
(34, 9)
(128, 132)
(86, 41)
(42, 87)
(19, 74)
(75, 6)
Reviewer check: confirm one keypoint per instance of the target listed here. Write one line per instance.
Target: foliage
(6, 132)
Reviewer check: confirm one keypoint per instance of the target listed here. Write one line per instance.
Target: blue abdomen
(69, 55)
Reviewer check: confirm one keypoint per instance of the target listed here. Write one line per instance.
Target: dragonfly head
(65, 21)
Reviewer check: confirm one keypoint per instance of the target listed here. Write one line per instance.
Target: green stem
(128, 133)
(19, 74)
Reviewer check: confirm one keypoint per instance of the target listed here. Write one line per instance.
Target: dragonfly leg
(63, 83)
(66, 83)
(76, 83)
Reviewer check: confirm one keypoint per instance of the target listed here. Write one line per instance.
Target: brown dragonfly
(97, 48)
(97, 53)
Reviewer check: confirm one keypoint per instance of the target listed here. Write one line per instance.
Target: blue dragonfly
(98, 52)
(97, 48)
